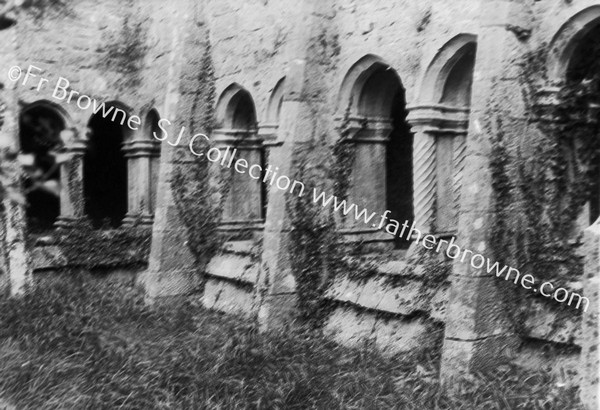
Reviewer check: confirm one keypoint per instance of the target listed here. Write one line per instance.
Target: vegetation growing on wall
(344, 153)
(314, 248)
(197, 197)
(38, 9)
(317, 252)
(125, 48)
(10, 194)
(9, 184)
(126, 247)
(542, 183)
(435, 266)
(86, 247)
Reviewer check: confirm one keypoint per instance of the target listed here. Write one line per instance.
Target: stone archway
(440, 120)
(584, 66)
(574, 62)
(564, 43)
(372, 110)
(275, 103)
(40, 127)
(237, 129)
(105, 168)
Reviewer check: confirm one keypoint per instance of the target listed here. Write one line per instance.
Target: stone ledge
(375, 293)
(400, 268)
(562, 363)
(390, 335)
(233, 267)
(47, 257)
(552, 323)
(228, 297)
(239, 247)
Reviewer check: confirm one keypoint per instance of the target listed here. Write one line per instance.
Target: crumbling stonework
(590, 356)
(414, 90)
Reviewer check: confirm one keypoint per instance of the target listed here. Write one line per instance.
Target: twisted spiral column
(424, 180)
(460, 149)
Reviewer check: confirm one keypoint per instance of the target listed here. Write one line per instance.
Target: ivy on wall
(314, 250)
(89, 248)
(344, 154)
(40, 9)
(124, 49)
(542, 184)
(317, 252)
(197, 196)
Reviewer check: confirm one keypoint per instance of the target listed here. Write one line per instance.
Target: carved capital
(267, 133)
(366, 129)
(438, 118)
(141, 148)
(249, 138)
(76, 147)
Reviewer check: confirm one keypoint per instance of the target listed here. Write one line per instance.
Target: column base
(277, 311)
(461, 357)
(172, 283)
(137, 219)
(66, 222)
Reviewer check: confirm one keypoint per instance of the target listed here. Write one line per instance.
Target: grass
(78, 343)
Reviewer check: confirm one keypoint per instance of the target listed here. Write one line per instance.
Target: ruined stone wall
(258, 62)
(86, 43)
(255, 44)
(405, 35)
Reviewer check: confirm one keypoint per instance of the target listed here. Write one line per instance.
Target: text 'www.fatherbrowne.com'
(62, 92)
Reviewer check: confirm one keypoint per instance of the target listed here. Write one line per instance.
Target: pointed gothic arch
(372, 104)
(237, 129)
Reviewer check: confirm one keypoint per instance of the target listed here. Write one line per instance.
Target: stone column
(276, 284)
(424, 178)
(14, 257)
(16, 261)
(589, 359)
(459, 155)
(139, 155)
(271, 144)
(172, 268)
(71, 181)
(429, 124)
(479, 335)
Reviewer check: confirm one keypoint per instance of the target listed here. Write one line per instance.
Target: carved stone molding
(141, 148)
(428, 121)
(267, 133)
(366, 129)
(223, 137)
(439, 118)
